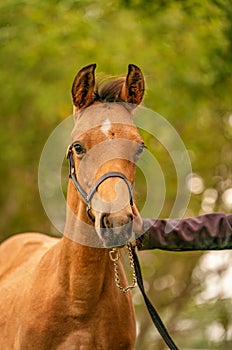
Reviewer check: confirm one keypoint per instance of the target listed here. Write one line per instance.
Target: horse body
(57, 299)
(58, 293)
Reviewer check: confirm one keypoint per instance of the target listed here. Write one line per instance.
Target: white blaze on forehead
(97, 115)
(106, 126)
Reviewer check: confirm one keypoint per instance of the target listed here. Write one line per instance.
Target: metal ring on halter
(88, 211)
(88, 197)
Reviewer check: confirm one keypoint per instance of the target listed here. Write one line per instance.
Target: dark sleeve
(205, 232)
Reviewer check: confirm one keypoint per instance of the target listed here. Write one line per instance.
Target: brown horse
(61, 293)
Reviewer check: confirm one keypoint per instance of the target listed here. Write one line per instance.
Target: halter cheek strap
(88, 196)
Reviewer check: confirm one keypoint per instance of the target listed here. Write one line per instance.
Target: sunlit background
(185, 52)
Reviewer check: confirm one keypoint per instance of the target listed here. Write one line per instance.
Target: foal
(61, 293)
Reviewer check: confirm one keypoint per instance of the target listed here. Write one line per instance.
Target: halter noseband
(88, 196)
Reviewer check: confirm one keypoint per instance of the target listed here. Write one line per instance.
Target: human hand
(138, 221)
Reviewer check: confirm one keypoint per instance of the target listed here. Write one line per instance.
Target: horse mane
(110, 91)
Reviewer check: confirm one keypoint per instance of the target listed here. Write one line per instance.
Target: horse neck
(84, 269)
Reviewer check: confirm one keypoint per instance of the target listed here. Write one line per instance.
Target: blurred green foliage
(184, 49)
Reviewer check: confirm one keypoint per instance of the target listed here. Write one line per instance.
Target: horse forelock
(110, 91)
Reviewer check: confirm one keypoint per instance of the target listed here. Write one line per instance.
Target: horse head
(105, 148)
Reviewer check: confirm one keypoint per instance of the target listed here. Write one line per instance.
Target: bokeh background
(184, 49)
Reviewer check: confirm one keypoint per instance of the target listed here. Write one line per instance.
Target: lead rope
(152, 311)
(137, 278)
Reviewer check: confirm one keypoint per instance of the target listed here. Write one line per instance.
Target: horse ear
(83, 87)
(134, 86)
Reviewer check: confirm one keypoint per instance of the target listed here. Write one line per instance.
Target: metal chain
(115, 256)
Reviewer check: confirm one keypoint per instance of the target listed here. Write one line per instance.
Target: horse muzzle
(114, 229)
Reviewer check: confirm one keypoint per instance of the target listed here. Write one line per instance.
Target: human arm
(205, 232)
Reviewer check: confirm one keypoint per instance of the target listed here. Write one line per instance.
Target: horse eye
(79, 149)
(139, 150)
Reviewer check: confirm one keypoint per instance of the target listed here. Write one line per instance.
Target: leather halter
(88, 196)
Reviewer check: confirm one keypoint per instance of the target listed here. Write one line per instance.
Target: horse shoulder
(19, 257)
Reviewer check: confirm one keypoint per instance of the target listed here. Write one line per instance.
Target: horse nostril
(105, 221)
(130, 218)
